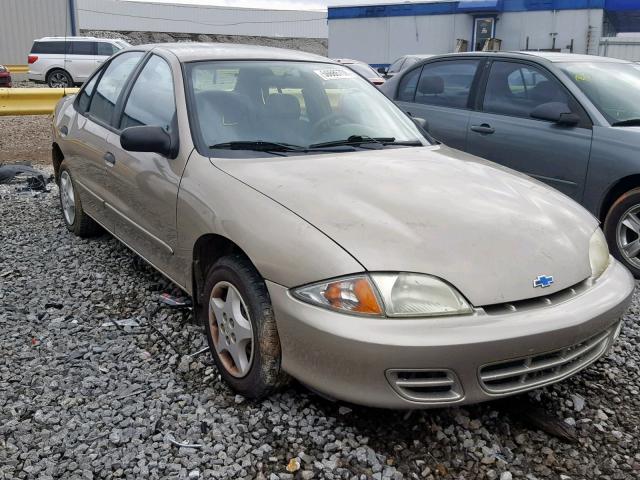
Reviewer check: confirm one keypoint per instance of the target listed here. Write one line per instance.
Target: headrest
(431, 85)
(283, 105)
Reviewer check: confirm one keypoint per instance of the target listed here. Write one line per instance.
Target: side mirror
(556, 112)
(146, 139)
(383, 70)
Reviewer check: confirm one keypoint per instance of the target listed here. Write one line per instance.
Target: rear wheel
(75, 219)
(622, 229)
(241, 328)
(59, 79)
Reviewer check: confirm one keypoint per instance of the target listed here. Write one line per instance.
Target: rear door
(93, 130)
(504, 132)
(80, 61)
(440, 92)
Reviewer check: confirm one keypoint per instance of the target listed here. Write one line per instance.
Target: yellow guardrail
(18, 68)
(31, 101)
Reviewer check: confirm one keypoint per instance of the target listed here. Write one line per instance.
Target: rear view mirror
(146, 139)
(556, 112)
(382, 70)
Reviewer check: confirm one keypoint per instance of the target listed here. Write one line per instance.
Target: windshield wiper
(359, 140)
(259, 146)
(274, 147)
(630, 122)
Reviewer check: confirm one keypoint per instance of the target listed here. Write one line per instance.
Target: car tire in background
(241, 328)
(59, 78)
(622, 229)
(75, 219)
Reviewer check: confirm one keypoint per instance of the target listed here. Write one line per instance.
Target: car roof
(193, 52)
(76, 39)
(553, 57)
(348, 61)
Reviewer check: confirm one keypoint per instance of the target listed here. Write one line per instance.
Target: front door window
(483, 30)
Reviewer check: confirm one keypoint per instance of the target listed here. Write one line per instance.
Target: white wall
(183, 18)
(382, 39)
(626, 48)
(22, 21)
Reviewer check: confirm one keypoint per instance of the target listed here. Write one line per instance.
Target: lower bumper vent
(529, 372)
(427, 386)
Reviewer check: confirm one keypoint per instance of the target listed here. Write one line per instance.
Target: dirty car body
(324, 237)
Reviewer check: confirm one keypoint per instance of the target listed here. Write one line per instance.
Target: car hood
(487, 230)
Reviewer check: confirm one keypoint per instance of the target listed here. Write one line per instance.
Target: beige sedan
(323, 235)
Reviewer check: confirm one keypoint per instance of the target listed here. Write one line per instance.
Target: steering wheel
(325, 122)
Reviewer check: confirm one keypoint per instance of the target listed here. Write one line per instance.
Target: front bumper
(420, 363)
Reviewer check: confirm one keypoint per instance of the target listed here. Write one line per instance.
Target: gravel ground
(25, 139)
(84, 399)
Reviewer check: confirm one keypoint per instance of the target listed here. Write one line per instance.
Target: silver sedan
(324, 236)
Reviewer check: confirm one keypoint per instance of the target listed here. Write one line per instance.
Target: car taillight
(32, 59)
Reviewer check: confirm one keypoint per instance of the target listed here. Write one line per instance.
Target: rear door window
(81, 48)
(447, 83)
(85, 94)
(152, 100)
(111, 84)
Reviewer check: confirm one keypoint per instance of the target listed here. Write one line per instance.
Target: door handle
(484, 128)
(109, 159)
(64, 130)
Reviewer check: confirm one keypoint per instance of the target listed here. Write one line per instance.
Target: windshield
(614, 88)
(300, 104)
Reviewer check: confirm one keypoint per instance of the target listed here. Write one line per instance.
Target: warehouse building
(377, 34)
(21, 21)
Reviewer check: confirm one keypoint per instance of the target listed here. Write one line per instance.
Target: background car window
(85, 95)
(408, 84)
(110, 86)
(55, 48)
(397, 65)
(446, 83)
(151, 101)
(81, 48)
(516, 89)
(106, 49)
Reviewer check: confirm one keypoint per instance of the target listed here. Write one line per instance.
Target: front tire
(241, 328)
(75, 219)
(59, 78)
(622, 230)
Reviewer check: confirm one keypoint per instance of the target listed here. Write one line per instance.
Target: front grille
(426, 386)
(544, 301)
(528, 372)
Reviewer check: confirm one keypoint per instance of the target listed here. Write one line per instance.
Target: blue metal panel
(622, 5)
(474, 6)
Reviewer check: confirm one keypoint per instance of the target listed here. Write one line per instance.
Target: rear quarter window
(53, 48)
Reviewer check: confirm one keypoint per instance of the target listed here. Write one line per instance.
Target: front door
(504, 131)
(439, 93)
(143, 186)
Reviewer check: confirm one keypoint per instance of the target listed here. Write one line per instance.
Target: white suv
(68, 61)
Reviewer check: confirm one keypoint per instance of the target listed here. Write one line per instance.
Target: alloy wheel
(58, 80)
(231, 329)
(628, 235)
(67, 198)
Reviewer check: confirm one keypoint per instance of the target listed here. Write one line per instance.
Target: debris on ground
(35, 179)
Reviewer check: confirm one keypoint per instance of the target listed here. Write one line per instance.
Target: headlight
(598, 253)
(394, 294)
